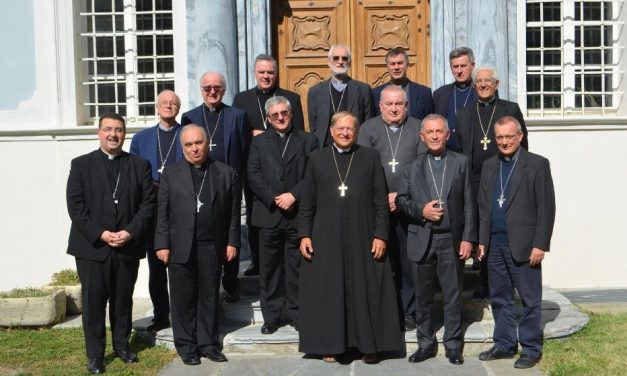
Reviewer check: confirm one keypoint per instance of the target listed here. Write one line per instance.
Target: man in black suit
(475, 135)
(516, 217)
(419, 98)
(229, 137)
(339, 93)
(450, 98)
(110, 200)
(198, 229)
(253, 101)
(276, 168)
(435, 193)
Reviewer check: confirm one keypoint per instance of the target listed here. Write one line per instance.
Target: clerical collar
(486, 103)
(437, 157)
(283, 134)
(170, 129)
(199, 165)
(403, 84)
(269, 91)
(340, 150)
(463, 85)
(339, 80)
(214, 109)
(394, 127)
(110, 156)
(512, 158)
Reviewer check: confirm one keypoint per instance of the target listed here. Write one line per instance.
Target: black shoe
(482, 293)
(157, 325)
(527, 361)
(269, 328)
(454, 356)
(231, 297)
(95, 366)
(410, 323)
(251, 270)
(494, 354)
(190, 359)
(214, 355)
(421, 355)
(127, 356)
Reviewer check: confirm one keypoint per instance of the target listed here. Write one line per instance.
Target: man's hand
(481, 252)
(164, 255)
(285, 201)
(465, 248)
(392, 202)
(432, 213)
(537, 255)
(306, 249)
(120, 238)
(378, 248)
(107, 237)
(257, 132)
(231, 252)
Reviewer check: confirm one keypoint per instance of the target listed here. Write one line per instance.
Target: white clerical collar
(166, 129)
(488, 102)
(463, 85)
(513, 157)
(340, 150)
(439, 156)
(111, 156)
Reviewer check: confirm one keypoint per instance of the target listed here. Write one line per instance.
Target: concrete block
(39, 311)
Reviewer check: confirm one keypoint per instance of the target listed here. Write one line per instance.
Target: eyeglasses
(487, 81)
(337, 58)
(208, 89)
(275, 116)
(166, 104)
(509, 137)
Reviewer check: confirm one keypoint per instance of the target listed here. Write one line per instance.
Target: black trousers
(441, 262)
(279, 265)
(111, 280)
(194, 288)
(157, 279)
(401, 267)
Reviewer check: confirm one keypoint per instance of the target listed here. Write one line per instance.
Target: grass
(66, 277)
(62, 352)
(598, 349)
(26, 292)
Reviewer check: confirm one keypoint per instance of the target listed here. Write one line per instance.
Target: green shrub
(66, 277)
(26, 292)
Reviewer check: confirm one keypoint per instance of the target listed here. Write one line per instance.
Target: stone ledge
(38, 311)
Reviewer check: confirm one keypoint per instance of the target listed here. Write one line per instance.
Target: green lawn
(598, 349)
(62, 352)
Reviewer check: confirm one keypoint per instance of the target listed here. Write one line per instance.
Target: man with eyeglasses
(339, 93)
(450, 98)
(475, 134)
(253, 102)
(111, 202)
(276, 167)
(395, 135)
(419, 98)
(516, 217)
(160, 146)
(435, 193)
(229, 134)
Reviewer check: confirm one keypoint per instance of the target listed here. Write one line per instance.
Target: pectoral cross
(501, 200)
(342, 188)
(393, 163)
(485, 142)
(440, 203)
(211, 144)
(161, 169)
(198, 205)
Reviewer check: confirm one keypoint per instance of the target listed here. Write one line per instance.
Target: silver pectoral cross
(440, 203)
(211, 144)
(393, 163)
(342, 188)
(501, 200)
(161, 169)
(485, 142)
(198, 205)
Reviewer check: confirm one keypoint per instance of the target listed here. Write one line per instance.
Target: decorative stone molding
(39, 311)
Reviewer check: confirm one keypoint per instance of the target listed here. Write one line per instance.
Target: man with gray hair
(450, 98)
(475, 134)
(339, 93)
(229, 135)
(436, 194)
(276, 168)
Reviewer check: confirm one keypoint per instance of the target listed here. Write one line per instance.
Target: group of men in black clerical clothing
(351, 225)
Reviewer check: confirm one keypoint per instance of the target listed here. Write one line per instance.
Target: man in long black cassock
(395, 136)
(475, 135)
(346, 292)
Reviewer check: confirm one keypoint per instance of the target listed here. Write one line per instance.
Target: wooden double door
(304, 30)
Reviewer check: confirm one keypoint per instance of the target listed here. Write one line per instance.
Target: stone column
(255, 37)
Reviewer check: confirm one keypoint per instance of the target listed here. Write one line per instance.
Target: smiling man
(110, 200)
(419, 98)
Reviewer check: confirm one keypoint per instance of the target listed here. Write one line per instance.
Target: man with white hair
(339, 93)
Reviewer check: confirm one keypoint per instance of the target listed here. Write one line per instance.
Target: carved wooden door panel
(304, 30)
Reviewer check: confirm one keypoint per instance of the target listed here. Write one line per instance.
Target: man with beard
(395, 136)
(339, 93)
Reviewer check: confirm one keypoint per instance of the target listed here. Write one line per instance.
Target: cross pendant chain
(198, 205)
(393, 163)
(501, 200)
(485, 142)
(342, 188)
